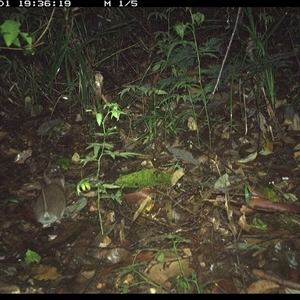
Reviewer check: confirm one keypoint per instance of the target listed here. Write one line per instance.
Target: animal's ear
(62, 181)
(47, 179)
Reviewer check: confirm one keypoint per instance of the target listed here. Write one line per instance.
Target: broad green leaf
(17, 43)
(31, 256)
(10, 30)
(268, 193)
(156, 67)
(222, 183)
(180, 29)
(198, 18)
(160, 257)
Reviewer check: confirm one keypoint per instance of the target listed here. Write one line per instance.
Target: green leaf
(99, 118)
(222, 183)
(121, 154)
(268, 193)
(156, 67)
(180, 29)
(160, 92)
(17, 42)
(87, 159)
(10, 30)
(63, 163)
(110, 186)
(10, 199)
(198, 18)
(290, 196)
(247, 195)
(258, 224)
(26, 37)
(250, 157)
(31, 256)
(161, 257)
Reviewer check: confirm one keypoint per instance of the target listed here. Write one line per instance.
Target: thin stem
(227, 51)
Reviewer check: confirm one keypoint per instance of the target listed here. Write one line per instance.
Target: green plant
(12, 35)
(184, 283)
(178, 51)
(257, 49)
(189, 284)
(65, 46)
(162, 256)
(31, 257)
(102, 149)
(138, 279)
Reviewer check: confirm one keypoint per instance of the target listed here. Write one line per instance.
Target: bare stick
(227, 51)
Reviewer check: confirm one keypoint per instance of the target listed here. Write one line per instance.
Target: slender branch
(43, 33)
(227, 51)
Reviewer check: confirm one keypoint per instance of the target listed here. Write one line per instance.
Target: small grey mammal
(51, 203)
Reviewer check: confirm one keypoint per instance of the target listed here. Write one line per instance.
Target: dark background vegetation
(121, 43)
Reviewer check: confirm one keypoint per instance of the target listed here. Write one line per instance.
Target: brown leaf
(243, 223)
(113, 256)
(224, 286)
(176, 176)
(146, 202)
(138, 196)
(263, 286)
(172, 266)
(269, 206)
(45, 273)
(143, 256)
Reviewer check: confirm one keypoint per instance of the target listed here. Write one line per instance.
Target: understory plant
(177, 51)
(257, 50)
(252, 66)
(54, 53)
(102, 149)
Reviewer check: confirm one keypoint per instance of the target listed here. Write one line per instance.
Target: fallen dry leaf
(192, 124)
(224, 286)
(172, 266)
(269, 206)
(145, 206)
(45, 273)
(138, 196)
(176, 176)
(263, 287)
